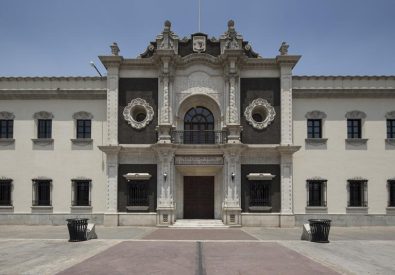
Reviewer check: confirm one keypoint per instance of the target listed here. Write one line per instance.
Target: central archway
(199, 126)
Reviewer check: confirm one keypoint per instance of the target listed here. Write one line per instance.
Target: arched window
(199, 126)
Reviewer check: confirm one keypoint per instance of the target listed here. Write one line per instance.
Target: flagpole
(199, 18)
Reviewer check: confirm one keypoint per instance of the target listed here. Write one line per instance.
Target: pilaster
(165, 184)
(231, 206)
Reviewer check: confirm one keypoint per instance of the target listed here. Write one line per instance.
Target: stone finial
(283, 48)
(231, 24)
(167, 25)
(114, 48)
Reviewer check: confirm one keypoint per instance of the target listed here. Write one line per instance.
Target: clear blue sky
(59, 37)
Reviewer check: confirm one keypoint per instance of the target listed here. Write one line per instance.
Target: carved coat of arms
(199, 44)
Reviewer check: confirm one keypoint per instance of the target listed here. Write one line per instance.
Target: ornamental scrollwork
(390, 115)
(259, 113)
(356, 115)
(43, 115)
(138, 113)
(315, 115)
(82, 115)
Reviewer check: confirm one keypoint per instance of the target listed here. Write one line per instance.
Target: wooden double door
(198, 197)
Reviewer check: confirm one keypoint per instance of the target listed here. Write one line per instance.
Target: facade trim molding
(315, 115)
(355, 114)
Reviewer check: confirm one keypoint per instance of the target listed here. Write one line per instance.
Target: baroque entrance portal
(198, 197)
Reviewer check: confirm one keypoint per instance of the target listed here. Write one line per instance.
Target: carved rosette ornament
(259, 113)
(138, 113)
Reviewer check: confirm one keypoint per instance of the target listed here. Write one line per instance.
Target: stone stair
(195, 223)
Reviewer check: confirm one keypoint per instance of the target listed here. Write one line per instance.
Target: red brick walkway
(179, 257)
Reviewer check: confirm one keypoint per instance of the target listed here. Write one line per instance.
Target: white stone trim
(270, 113)
(260, 176)
(355, 114)
(82, 115)
(6, 115)
(315, 115)
(137, 176)
(390, 115)
(138, 102)
(43, 115)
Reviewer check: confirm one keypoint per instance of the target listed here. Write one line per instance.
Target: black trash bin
(77, 229)
(320, 230)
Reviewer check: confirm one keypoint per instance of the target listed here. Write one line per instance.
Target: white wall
(60, 162)
(339, 162)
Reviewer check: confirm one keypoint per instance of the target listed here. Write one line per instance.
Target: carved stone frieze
(315, 115)
(262, 108)
(355, 115)
(6, 115)
(198, 160)
(43, 115)
(137, 109)
(82, 115)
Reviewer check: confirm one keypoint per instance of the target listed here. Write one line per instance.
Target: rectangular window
(260, 193)
(316, 193)
(6, 128)
(390, 128)
(391, 190)
(81, 193)
(138, 193)
(83, 128)
(314, 129)
(354, 128)
(44, 128)
(5, 193)
(357, 193)
(42, 193)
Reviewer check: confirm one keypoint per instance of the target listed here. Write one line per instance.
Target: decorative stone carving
(138, 113)
(231, 40)
(199, 43)
(82, 115)
(165, 107)
(316, 178)
(262, 110)
(43, 115)
(260, 176)
(390, 115)
(114, 49)
(315, 115)
(232, 101)
(6, 115)
(137, 176)
(284, 48)
(355, 115)
(167, 40)
(198, 160)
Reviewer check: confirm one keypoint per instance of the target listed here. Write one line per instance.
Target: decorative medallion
(138, 113)
(259, 113)
(199, 44)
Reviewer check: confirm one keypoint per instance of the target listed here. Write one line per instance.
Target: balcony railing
(198, 137)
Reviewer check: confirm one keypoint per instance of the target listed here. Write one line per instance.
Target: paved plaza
(150, 250)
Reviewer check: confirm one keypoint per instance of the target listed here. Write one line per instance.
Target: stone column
(112, 103)
(286, 104)
(231, 206)
(165, 120)
(165, 185)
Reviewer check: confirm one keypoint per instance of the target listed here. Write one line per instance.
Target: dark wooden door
(198, 197)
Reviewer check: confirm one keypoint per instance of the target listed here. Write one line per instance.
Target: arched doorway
(199, 126)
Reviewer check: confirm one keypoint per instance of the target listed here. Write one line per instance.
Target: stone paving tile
(156, 257)
(198, 234)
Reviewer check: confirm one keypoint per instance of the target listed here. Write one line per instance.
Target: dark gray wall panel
(274, 169)
(266, 88)
(131, 88)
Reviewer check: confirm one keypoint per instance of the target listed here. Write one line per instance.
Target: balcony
(198, 137)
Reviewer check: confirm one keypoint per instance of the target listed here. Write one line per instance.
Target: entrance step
(195, 223)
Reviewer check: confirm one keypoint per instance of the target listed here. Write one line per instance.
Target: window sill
(42, 141)
(316, 141)
(82, 141)
(316, 209)
(6, 208)
(6, 141)
(260, 208)
(390, 210)
(357, 210)
(390, 141)
(42, 209)
(137, 208)
(356, 141)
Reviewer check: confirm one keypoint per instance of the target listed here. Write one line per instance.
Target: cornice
(111, 60)
(343, 93)
(289, 60)
(53, 93)
(194, 58)
(50, 78)
(138, 63)
(340, 77)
